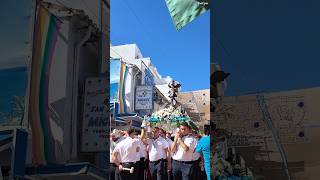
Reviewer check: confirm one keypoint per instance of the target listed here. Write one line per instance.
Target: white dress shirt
(164, 155)
(195, 155)
(112, 146)
(128, 150)
(143, 150)
(180, 154)
(156, 148)
(170, 143)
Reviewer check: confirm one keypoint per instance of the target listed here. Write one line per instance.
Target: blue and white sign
(144, 100)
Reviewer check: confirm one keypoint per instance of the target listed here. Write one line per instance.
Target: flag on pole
(184, 11)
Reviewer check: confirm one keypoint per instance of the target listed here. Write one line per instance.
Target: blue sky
(267, 45)
(14, 32)
(14, 49)
(184, 55)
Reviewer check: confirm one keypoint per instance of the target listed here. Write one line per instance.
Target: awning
(133, 121)
(76, 171)
(6, 138)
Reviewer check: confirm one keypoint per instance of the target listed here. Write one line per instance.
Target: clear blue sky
(267, 45)
(184, 55)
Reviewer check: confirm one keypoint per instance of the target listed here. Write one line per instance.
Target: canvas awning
(77, 171)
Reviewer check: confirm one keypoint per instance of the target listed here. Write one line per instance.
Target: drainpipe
(74, 128)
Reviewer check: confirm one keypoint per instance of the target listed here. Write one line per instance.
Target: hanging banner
(147, 76)
(95, 118)
(121, 85)
(125, 93)
(184, 11)
(45, 38)
(144, 100)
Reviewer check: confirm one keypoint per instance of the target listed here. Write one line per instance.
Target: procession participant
(126, 154)
(166, 155)
(113, 175)
(168, 139)
(115, 137)
(196, 158)
(182, 148)
(158, 150)
(143, 160)
(203, 147)
(168, 136)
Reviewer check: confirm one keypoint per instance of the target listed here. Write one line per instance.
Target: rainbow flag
(44, 42)
(122, 87)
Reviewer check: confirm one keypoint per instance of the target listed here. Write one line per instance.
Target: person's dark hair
(213, 126)
(163, 131)
(207, 129)
(184, 124)
(131, 130)
(138, 131)
(156, 128)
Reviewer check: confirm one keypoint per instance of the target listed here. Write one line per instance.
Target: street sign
(144, 100)
(95, 118)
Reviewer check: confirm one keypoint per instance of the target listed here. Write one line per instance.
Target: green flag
(185, 11)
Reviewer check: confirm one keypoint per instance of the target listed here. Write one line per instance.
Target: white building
(142, 72)
(68, 72)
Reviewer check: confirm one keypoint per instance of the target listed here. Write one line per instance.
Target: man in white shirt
(143, 160)
(158, 152)
(168, 174)
(115, 138)
(126, 154)
(113, 167)
(196, 157)
(182, 148)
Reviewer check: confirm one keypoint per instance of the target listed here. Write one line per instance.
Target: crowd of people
(157, 155)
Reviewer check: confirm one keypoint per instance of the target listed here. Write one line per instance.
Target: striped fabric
(122, 86)
(45, 37)
(184, 11)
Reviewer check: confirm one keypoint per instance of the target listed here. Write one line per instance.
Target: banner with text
(144, 99)
(95, 118)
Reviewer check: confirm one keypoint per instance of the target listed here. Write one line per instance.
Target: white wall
(239, 113)
(127, 52)
(91, 7)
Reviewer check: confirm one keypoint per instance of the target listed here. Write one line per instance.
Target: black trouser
(182, 170)
(157, 169)
(196, 172)
(142, 169)
(126, 175)
(113, 173)
(168, 174)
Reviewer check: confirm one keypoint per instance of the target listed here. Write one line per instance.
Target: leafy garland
(169, 117)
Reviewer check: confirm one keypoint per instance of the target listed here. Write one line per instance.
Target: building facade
(289, 152)
(78, 54)
(143, 90)
(197, 105)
